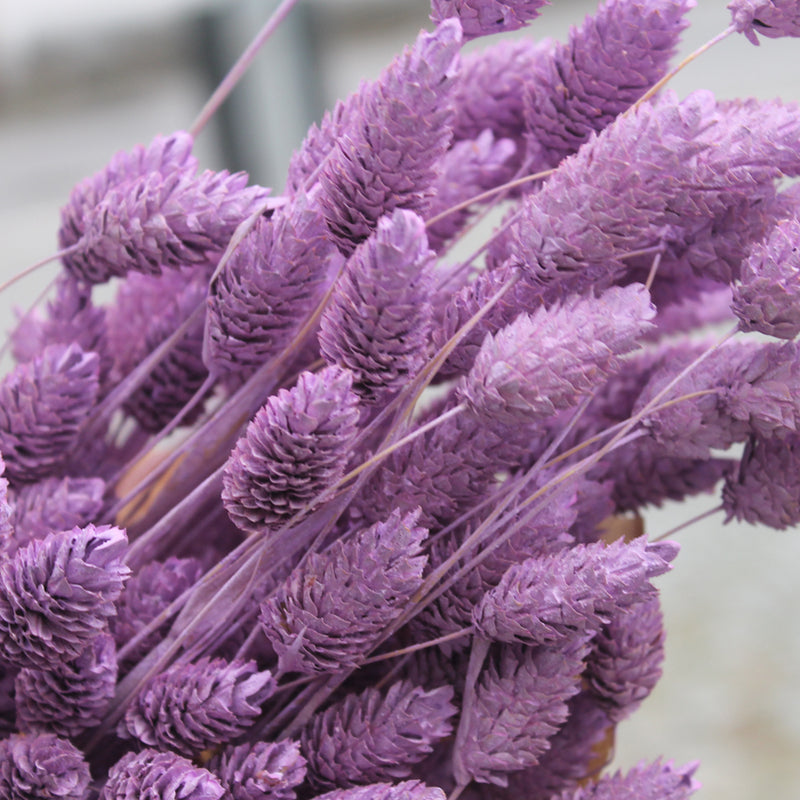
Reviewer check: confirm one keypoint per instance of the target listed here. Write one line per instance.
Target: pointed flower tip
(771, 18)
(484, 17)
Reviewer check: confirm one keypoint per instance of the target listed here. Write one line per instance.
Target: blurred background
(80, 79)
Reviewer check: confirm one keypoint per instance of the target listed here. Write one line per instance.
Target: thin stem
(24, 318)
(43, 262)
(689, 522)
(240, 67)
(651, 276)
(489, 193)
(676, 69)
(413, 648)
(477, 655)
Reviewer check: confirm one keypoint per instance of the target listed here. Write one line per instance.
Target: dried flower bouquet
(330, 581)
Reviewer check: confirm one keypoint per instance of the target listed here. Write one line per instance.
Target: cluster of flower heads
(336, 583)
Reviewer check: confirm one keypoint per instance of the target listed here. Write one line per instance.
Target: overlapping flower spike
(177, 376)
(643, 473)
(165, 156)
(766, 487)
(378, 320)
(162, 220)
(42, 765)
(572, 756)
(752, 389)
(388, 155)
(772, 18)
(261, 771)
(189, 707)
(520, 702)
(160, 776)
(270, 284)
(606, 66)
(767, 298)
(545, 362)
(147, 594)
(296, 447)
(645, 780)
(373, 736)
(333, 607)
(484, 17)
(489, 89)
(405, 790)
(42, 406)
(54, 504)
(610, 198)
(58, 593)
(443, 472)
(571, 593)
(467, 169)
(70, 697)
(625, 663)
(71, 317)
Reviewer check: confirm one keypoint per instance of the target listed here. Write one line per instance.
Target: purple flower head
(405, 790)
(468, 168)
(71, 318)
(42, 766)
(387, 156)
(484, 17)
(333, 607)
(545, 362)
(7, 538)
(150, 775)
(766, 487)
(42, 406)
(189, 707)
(147, 594)
(378, 319)
(373, 736)
(70, 697)
(271, 283)
(656, 780)
(165, 155)
(625, 663)
(772, 18)
(261, 771)
(490, 87)
(521, 701)
(767, 297)
(175, 379)
(57, 594)
(611, 197)
(54, 504)
(156, 220)
(571, 593)
(608, 63)
(296, 446)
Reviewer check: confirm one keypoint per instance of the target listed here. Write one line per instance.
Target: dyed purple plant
(57, 593)
(484, 17)
(261, 771)
(43, 766)
(190, 707)
(772, 18)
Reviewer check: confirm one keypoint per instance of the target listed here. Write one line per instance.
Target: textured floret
(150, 775)
(189, 707)
(42, 766)
(58, 593)
(373, 736)
(42, 406)
(296, 446)
(328, 613)
(70, 697)
(484, 17)
(261, 771)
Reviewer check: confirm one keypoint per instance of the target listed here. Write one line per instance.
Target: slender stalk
(676, 69)
(240, 67)
(688, 523)
(43, 262)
